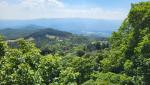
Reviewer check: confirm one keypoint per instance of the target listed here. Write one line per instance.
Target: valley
(77, 51)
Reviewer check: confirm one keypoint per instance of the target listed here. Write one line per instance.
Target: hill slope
(46, 36)
(48, 31)
(13, 33)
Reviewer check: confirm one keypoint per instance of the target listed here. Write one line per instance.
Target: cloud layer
(35, 9)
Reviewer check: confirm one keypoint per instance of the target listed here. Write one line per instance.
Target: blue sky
(91, 9)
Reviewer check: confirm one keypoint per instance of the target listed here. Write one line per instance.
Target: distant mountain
(44, 37)
(47, 36)
(41, 36)
(11, 33)
(44, 33)
(33, 31)
(78, 26)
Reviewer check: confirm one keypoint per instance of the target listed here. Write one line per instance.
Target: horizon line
(60, 18)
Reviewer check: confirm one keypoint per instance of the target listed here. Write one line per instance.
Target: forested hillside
(10, 33)
(123, 60)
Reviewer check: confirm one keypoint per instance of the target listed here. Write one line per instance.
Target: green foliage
(112, 78)
(128, 65)
(96, 45)
(25, 65)
(48, 69)
(133, 41)
(3, 47)
(76, 61)
(80, 53)
(68, 76)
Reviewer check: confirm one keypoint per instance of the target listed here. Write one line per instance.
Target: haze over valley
(75, 42)
(76, 26)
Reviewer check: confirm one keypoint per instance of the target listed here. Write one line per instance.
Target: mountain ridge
(73, 25)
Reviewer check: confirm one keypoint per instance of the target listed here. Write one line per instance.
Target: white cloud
(93, 13)
(56, 3)
(41, 3)
(33, 9)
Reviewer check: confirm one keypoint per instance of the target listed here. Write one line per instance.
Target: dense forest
(123, 59)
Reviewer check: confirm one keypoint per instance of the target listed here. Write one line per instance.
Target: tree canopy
(123, 60)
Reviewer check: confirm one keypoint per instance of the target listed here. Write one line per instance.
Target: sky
(46, 9)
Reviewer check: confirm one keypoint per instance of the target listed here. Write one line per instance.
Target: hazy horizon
(75, 16)
(51, 9)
